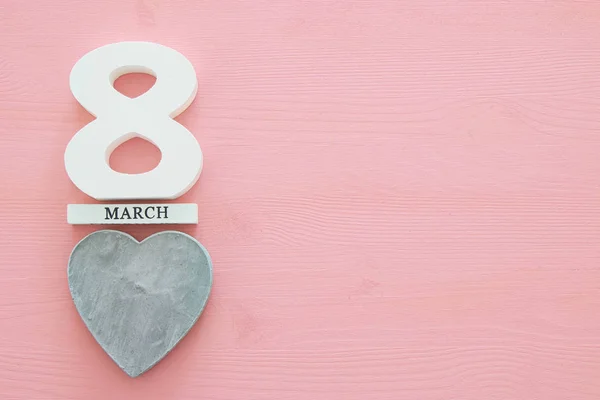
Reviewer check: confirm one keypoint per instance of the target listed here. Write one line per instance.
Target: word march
(136, 212)
(128, 213)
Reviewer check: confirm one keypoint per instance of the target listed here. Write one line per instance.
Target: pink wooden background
(401, 198)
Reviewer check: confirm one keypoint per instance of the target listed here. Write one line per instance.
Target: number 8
(120, 118)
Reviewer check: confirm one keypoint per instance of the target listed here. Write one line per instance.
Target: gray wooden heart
(139, 299)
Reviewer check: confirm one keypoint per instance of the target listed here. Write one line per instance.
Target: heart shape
(139, 299)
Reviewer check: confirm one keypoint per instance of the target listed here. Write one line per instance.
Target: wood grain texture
(401, 199)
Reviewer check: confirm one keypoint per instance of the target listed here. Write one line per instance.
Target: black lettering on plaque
(146, 212)
(125, 213)
(137, 213)
(159, 211)
(113, 214)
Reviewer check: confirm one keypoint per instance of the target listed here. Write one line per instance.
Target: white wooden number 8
(119, 118)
